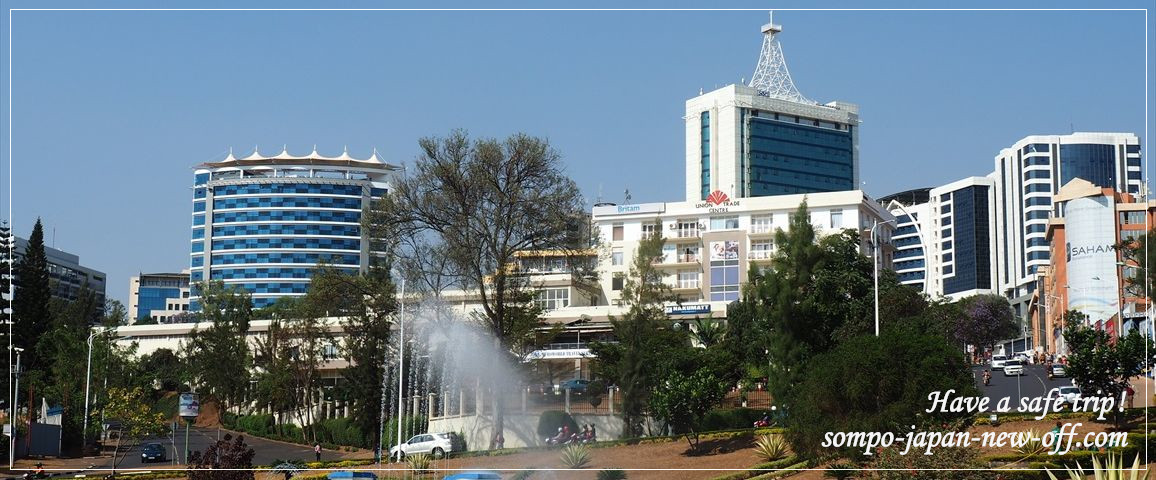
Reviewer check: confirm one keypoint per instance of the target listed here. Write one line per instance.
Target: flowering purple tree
(985, 319)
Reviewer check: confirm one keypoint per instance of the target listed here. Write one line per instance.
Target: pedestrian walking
(317, 450)
(1131, 395)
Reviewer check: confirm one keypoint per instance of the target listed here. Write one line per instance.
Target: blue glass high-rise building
(263, 223)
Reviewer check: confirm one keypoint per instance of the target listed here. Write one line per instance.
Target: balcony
(762, 229)
(686, 287)
(683, 260)
(686, 233)
(759, 255)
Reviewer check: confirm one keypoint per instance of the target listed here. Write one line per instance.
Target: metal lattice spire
(771, 77)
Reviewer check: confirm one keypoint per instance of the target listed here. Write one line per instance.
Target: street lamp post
(87, 381)
(1120, 302)
(400, 364)
(875, 249)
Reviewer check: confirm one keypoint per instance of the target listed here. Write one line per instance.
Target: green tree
(31, 305)
(1099, 366)
(986, 320)
(483, 201)
(134, 417)
(875, 384)
(708, 332)
(681, 398)
(163, 369)
(115, 315)
(644, 338)
(1138, 254)
(368, 304)
(63, 351)
(227, 459)
(275, 386)
(796, 309)
(218, 356)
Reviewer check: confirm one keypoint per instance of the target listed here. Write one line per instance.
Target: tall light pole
(87, 381)
(875, 249)
(400, 364)
(1120, 302)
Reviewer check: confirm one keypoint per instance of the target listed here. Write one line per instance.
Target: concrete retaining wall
(520, 430)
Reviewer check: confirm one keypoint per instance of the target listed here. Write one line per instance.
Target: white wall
(521, 430)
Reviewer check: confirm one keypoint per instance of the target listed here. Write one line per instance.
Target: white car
(1023, 357)
(1070, 394)
(1013, 367)
(435, 444)
(997, 362)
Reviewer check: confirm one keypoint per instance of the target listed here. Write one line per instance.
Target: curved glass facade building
(263, 223)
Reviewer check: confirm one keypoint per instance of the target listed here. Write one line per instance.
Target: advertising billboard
(188, 406)
(727, 250)
(1092, 274)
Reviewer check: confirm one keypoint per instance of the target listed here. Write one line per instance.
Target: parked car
(577, 386)
(997, 362)
(1023, 357)
(1013, 367)
(436, 444)
(1071, 394)
(1058, 370)
(152, 452)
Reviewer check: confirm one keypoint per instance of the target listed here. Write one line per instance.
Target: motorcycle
(986, 379)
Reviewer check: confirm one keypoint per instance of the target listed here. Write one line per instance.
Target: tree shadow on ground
(718, 446)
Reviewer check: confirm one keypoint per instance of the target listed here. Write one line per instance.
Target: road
(266, 451)
(1033, 383)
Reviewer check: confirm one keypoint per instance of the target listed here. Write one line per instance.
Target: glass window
(552, 298)
(616, 257)
(761, 224)
(724, 223)
(649, 229)
(687, 228)
(688, 279)
(616, 282)
(1132, 218)
(837, 218)
(618, 233)
(761, 250)
(1129, 236)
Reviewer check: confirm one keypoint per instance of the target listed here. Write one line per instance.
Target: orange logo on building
(717, 198)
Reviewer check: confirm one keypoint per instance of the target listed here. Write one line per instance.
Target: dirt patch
(210, 415)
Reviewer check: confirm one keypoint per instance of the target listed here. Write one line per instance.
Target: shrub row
(730, 418)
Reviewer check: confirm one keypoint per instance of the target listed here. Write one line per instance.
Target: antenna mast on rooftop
(771, 77)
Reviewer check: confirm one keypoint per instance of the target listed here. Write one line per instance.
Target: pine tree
(31, 303)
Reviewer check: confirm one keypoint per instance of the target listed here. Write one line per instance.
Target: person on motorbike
(986, 377)
(556, 439)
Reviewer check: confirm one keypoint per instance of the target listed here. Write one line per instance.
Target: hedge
(730, 418)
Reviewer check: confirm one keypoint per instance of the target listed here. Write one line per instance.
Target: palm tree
(708, 332)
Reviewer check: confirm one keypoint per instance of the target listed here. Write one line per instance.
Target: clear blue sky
(112, 109)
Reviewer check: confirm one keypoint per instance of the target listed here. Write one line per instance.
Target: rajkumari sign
(1091, 233)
